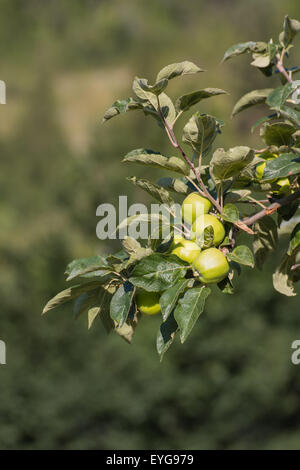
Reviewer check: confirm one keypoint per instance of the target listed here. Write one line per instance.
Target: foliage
(109, 284)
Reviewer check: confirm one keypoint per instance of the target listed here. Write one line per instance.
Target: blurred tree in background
(232, 385)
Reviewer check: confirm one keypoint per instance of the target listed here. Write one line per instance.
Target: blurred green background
(232, 384)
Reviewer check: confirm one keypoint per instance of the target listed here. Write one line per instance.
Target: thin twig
(272, 208)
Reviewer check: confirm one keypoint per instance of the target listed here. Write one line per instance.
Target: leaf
(261, 59)
(279, 96)
(82, 266)
(69, 294)
(151, 158)
(189, 308)
(290, 29)
(261, 120)
(184, 102)
(139, 218)
(294, 241)
(121, 107)
(287, 164)
(84, 301)
(282, 278)
(251, 99)
(166, 335)
(130, 245)
(226, 286)
(146, 97)
(265, 239)
(277, 133)
(173, 184)
(177, 69)
(126, 331)
(237, 195)
(159, 193)
(121, 303)
(200, 132)
(156, 273)
(238, 49)
(101, 307)
(169, 298)
(156, 89)
(242, 255)
(230, 213)
(224, 165)
(291, 114)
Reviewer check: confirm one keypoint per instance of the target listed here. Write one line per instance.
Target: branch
(272, 208)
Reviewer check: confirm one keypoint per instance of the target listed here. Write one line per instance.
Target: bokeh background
(232, 384)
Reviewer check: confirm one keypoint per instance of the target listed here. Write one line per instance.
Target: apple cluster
(211, 264)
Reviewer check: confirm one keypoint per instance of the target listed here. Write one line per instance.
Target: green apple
(148, 302)
(177, 240)
(212, 266)
(187, 250)
(204, 221)
(193, 206)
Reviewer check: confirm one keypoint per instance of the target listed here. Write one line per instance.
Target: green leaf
(159, 193)
(238, 49)
(283, 279)
(130, 245)
(147, 98)
(294, 241)
(156, 273)
(121, 107)
(261, 59)
(251, 99)
(242, 255)
(226, 286)
(173, 184)
(287, 164)
(169, 298)
(277, 133)
(143, 218)
(84, 301)
(265, 239)
(261, 120)
(200, 132)
(177, 69)
(101, 306)
(155, 159)
(230, 213)
(166, 335)
(69, 294)
(184, 102)
(279, 96)
(290, 29)
(291, 114)
(121, 303)
(82, 266)
(237, 195)
(224, 165)
(189, 308)
(156, 89)
(126, 331)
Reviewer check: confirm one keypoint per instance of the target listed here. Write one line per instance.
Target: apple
(148, 302)
(193, 206)
(212, 266)
(177, 240)
(204, 221)
(187, 250)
